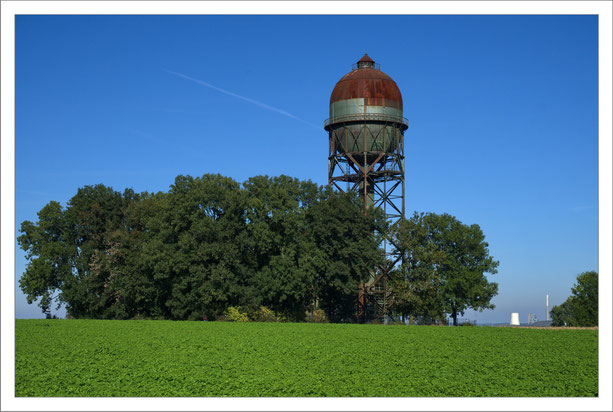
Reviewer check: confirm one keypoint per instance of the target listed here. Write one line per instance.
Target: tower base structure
(378, 177)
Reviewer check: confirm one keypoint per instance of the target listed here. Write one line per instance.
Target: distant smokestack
(547, 312)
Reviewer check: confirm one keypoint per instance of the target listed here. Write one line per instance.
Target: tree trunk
(454, 315)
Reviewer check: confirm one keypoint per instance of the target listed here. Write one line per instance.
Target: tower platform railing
(375, 66)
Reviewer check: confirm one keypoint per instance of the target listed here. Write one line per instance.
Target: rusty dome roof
(370, 83)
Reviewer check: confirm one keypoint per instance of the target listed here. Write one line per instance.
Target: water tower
(366, 155)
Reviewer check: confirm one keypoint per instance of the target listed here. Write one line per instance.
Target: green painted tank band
(358, 106)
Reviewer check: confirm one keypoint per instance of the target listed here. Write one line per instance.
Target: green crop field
(164, 358)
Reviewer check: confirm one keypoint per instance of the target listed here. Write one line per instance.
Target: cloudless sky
(502, 110)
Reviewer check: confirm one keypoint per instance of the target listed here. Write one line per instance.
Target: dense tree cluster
(581, 307)
(211, 245)
(207, 244)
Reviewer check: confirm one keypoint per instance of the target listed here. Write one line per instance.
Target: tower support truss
(366, 155)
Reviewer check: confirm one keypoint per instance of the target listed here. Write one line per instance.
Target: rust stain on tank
(371, 84)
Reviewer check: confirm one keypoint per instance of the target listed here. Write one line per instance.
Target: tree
(344, 250)
(444, 267)
(581, 308)
(278, 244)
(50, 257)
(416, 285)
(199, 238)
(74, 253)
(311, 246)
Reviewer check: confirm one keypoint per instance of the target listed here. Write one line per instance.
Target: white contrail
(238, 96)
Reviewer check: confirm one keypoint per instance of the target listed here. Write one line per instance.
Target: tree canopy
(211, 243)
(444, 268)
(207, 244)
(581, 307)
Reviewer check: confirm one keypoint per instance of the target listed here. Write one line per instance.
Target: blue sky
(502, 110)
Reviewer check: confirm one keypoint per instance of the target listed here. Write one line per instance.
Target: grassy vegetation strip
(165, 358)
